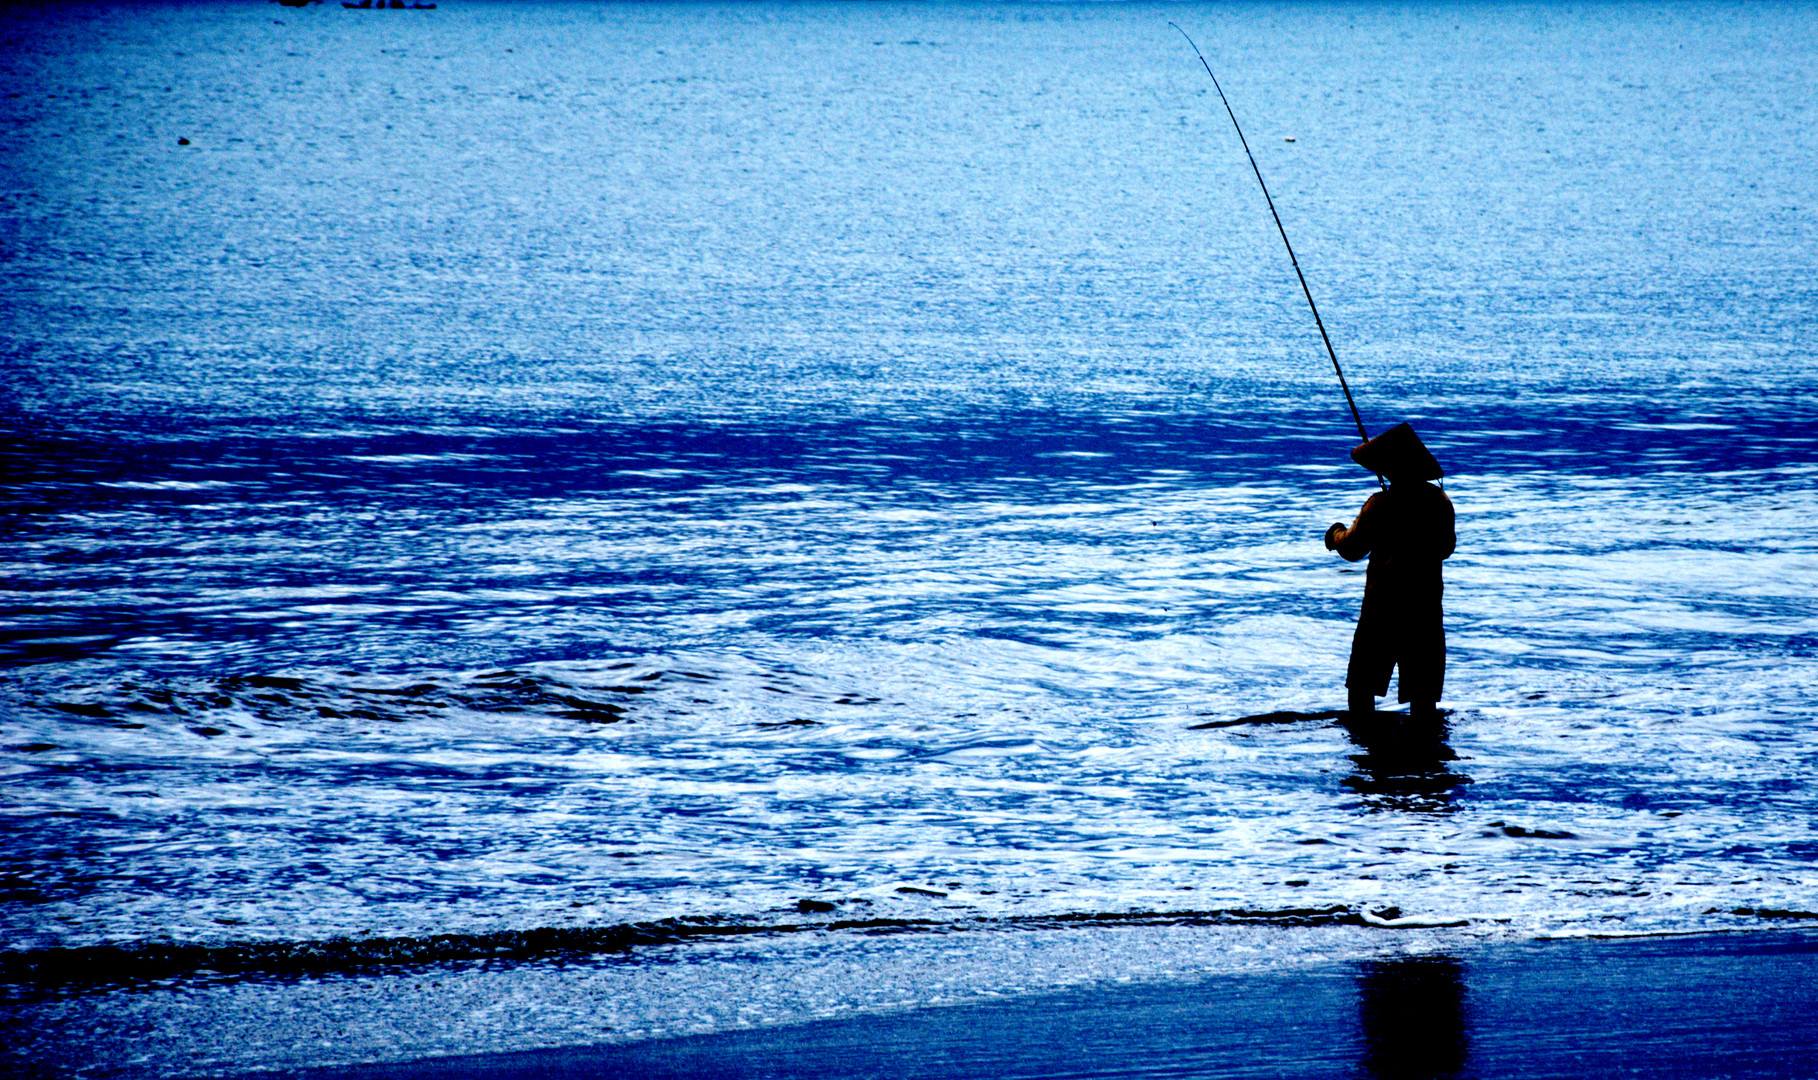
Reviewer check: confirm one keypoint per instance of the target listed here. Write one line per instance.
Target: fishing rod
(1343, 385)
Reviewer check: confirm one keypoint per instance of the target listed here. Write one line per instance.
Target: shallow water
(552, 467)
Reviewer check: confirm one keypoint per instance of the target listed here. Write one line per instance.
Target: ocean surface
(532, 492)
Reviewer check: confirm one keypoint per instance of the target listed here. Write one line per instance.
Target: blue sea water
(568, 483)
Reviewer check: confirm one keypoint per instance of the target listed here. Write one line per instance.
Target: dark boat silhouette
(395, 5)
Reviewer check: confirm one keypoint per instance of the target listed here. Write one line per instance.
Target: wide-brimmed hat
(1398, 454)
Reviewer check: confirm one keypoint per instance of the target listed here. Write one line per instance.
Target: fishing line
(1343, 385)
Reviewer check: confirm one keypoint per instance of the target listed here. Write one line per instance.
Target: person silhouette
(1406, 530)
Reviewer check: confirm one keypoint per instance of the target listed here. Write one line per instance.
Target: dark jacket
(1406, 532)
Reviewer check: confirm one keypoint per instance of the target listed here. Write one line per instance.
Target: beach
(1692, 1007)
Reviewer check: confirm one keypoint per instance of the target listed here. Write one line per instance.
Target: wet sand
(1705, 1006)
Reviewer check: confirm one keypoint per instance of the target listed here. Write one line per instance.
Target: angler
(1406, 531)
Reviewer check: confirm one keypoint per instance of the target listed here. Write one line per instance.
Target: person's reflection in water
(1405, 761)
(1413, 1016)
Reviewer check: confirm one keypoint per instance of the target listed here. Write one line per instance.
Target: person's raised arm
(1353, 543)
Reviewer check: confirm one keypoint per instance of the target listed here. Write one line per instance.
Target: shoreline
(1682, 1005)
(1330, 1000)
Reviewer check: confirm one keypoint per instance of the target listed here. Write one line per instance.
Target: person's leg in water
(1367, 674)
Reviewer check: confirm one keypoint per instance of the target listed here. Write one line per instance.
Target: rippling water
(551, 468)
